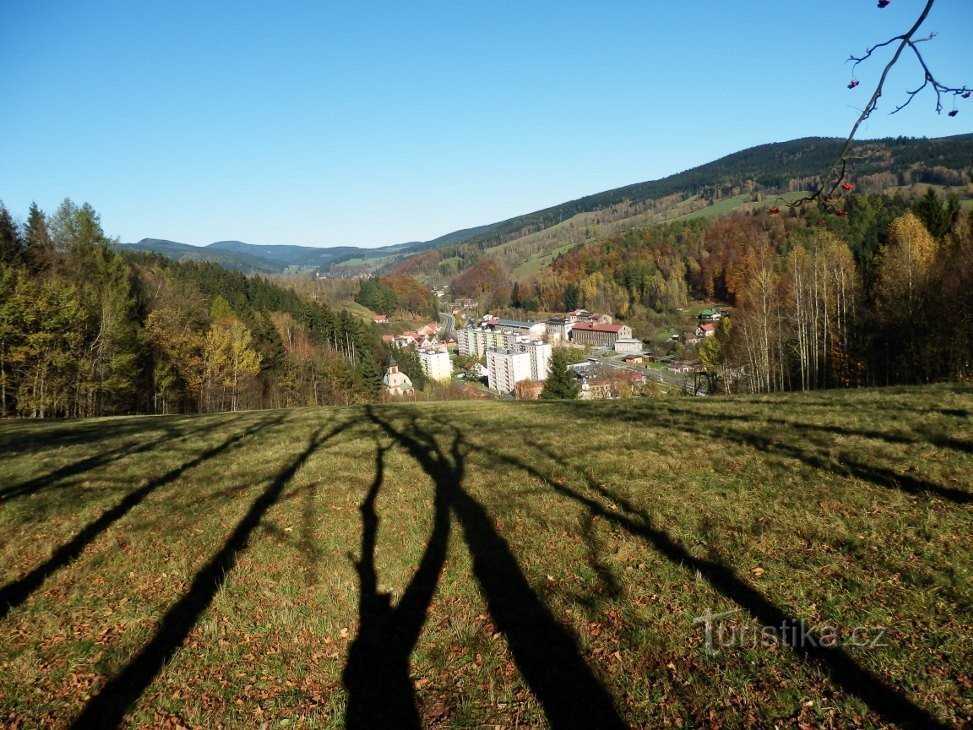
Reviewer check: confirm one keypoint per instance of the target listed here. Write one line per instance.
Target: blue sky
(325, 123)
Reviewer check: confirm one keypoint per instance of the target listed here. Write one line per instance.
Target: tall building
(436, 364)
(540, 358)
(525, 361)
(506, 368)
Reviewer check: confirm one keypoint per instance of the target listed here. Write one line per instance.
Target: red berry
(842, 213)
(954, 112)
(853, 83)
(846, 186)
(775, 210)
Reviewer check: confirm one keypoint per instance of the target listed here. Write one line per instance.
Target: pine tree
(11, 247)
(561, 383)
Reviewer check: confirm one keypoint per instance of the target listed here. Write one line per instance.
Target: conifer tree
(560, 383)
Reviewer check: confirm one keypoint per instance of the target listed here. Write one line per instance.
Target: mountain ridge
(770, 168)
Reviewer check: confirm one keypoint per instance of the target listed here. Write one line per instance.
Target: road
(449, 322)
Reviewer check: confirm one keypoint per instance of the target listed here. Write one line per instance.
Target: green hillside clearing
(493, 563)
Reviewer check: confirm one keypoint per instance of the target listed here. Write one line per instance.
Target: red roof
(595, 327)
(708, 327)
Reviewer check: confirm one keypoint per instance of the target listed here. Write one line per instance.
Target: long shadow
(25, 435)
(49, 480)
(377, 677)
(113, 701)
(843, 670)
(545, 652)
(16, 592)
(878, 475)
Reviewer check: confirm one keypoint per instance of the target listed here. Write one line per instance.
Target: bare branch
(832, 179)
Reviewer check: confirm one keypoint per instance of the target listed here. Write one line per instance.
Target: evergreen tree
(37, 239)
(561, 383)
(11, 247)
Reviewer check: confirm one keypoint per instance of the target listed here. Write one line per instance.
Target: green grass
(518, 564)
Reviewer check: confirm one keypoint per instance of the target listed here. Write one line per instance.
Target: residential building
(558, 329)
(380, 319)
(436, 364)
(506, 368)
(540, 358)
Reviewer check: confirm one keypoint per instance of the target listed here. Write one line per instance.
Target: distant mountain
(269, 259)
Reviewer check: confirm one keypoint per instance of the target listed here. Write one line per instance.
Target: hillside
(742, 180)
(510, 564)
(716, 187)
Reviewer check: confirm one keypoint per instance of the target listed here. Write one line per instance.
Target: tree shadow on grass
(719, 426)
(16, 592)
(884, 699)
(546, 653)
(377, 675)
(118, 695)
(48, 481)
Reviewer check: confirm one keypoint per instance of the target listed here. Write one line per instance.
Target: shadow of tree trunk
(843, 670)
(109, 706)
(546, 653)
(16, 592)
(377, 674)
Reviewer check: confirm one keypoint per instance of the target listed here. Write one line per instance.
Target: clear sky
(368, 123)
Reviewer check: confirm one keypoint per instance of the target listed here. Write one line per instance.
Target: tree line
(880, 295)
(87, 330)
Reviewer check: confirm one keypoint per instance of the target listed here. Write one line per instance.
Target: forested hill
(777, 167)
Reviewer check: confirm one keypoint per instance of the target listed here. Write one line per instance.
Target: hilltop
(512, 564)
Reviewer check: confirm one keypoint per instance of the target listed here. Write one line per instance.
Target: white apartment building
(476, 340)
(540, 358)
(506, 368)
(436, 364)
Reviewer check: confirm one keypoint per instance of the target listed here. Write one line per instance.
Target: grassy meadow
(495, 564)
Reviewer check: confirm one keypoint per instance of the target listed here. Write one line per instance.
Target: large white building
(540, 358)
(506, 368)
(436, 364)
(493, 333)
(527, 360)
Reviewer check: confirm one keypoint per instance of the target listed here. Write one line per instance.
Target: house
(388, 340)
(396, 383)
(429, 329)
(633, 359)
(710, 315)
(557, 329)
(706, 330)
(380, 319)
(627, 344)
(599, 318)
(578, 315)
(691, 337)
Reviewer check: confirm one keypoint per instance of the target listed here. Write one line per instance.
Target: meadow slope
(495, 563)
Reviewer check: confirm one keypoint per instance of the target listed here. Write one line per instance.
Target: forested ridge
(879, 295)
(769, 169)
(88, 330)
